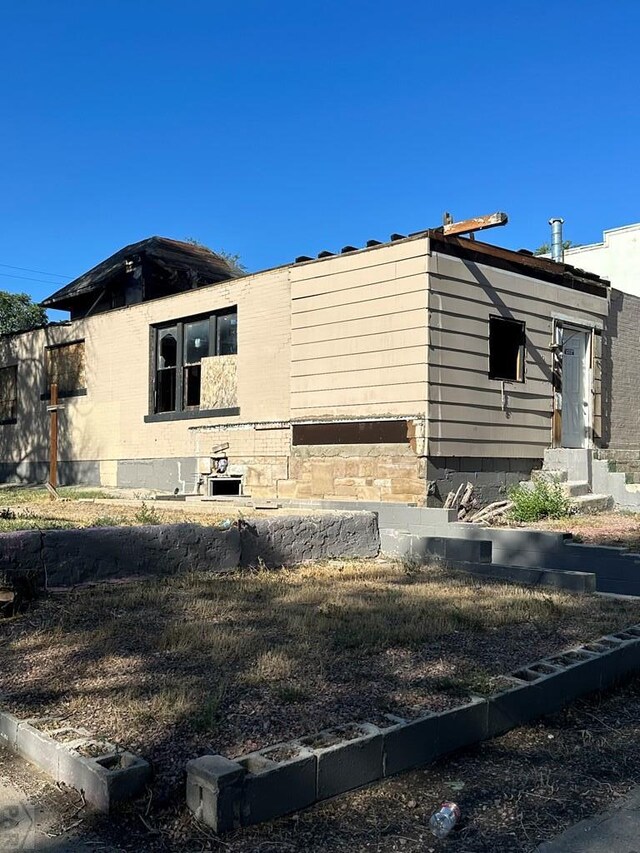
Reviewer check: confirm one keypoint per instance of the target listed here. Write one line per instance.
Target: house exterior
(393, 372)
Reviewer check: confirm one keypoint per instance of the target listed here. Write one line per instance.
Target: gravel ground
(514, 792)
(188, 665)
(621, 529)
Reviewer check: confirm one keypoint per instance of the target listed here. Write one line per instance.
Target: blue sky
(281, 128)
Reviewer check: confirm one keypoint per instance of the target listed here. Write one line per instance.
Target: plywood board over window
(65, 366)
(8, 394)
(219, 389)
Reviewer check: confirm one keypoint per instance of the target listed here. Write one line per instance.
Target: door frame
(559, 327)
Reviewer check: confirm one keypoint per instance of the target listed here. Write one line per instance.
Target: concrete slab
(614, 831)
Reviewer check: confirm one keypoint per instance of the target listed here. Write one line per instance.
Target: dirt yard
(603, 528)
(191, 664)
(31, 508)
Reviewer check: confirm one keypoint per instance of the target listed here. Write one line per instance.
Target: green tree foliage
(19, 313)
(234, 261)
(545, 249)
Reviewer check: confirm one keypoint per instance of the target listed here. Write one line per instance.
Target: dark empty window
(167, 369)
(506, 349)
(8, 394)
(179, 350)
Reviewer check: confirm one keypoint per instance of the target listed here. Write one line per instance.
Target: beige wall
(108, 423)
(466, 415)
(359, 334)
(366, 335)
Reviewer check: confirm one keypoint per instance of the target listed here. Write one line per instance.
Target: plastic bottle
(443, 821)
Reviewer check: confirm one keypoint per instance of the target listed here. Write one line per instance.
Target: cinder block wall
(620, 372)
(491, 478)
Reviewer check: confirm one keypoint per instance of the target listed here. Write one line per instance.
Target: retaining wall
(263, 785)
(67, 557)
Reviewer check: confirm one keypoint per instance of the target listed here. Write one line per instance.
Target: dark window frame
(520, 372)
(12, 419)
(181, 410)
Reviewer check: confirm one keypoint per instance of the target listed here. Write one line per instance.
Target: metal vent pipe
(557, 250)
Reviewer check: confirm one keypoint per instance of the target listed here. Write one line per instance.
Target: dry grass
(197, 662)
(619, 529)
(32, 509)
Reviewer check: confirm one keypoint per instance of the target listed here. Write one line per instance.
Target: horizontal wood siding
(467, 414)
(359, 334)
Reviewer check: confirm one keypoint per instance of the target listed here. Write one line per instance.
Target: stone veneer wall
(366, 472)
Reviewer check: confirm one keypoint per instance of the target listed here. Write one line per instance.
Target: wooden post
(53, 447)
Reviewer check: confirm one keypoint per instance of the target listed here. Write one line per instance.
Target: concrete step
(592, 503)
(576, 488)
(548, 475)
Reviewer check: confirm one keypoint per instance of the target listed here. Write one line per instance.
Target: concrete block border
(98, 769)
(280, 779)
(60, 558)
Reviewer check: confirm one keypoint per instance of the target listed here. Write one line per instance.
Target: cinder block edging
(110, 776)
(280, 779)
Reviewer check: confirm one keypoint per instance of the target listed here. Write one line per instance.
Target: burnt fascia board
(153, 249)
(533, 267)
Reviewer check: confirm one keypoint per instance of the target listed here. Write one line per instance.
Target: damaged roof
(521, 261)
(205, 267)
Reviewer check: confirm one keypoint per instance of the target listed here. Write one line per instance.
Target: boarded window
(65, 366)
(506, 349)
(181, 349)
(8, 394)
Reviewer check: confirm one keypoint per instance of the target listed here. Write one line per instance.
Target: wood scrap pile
(491, 512)
(462, 500)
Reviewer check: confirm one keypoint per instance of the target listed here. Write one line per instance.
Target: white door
(575, 387)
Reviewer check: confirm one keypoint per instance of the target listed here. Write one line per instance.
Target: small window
(65, 367)
(179, 350)
(167, 369)
(8, 394)
(506, 349)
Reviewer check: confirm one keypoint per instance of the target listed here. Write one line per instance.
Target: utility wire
(26, 278)
(40, 272)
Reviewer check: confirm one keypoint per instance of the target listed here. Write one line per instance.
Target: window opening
(506, 349)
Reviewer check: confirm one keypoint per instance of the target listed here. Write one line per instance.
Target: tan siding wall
(466, 414)
(108, 423)
(359, 334)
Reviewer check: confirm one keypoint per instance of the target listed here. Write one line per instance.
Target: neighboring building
(387, 373)
(617, 258)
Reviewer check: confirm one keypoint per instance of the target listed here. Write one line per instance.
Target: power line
(40, 272)
(26, 278)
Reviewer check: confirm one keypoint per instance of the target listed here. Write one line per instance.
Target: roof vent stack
(557, 249)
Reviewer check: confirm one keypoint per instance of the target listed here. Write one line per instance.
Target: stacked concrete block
(272, 782)
(104, 775)
(69, 557)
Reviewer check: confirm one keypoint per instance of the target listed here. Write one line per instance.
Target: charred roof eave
(533, 266)
(206, 266)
